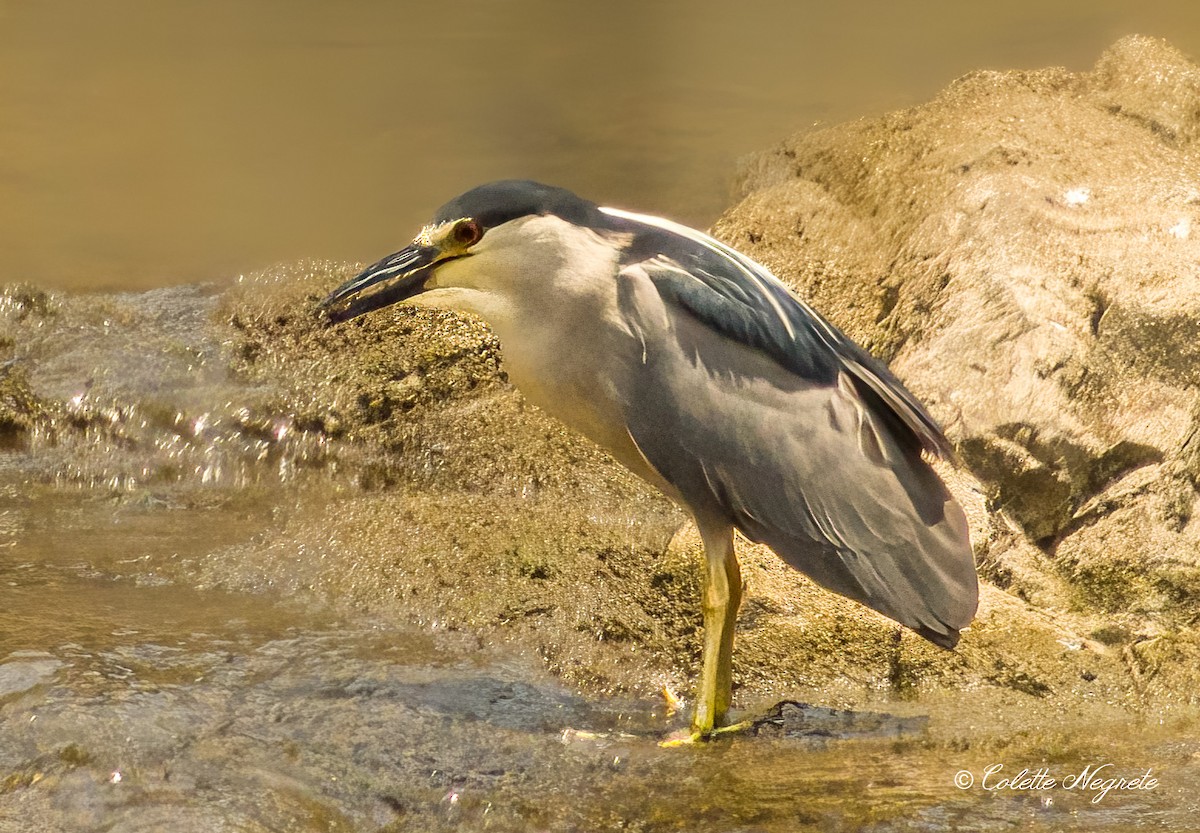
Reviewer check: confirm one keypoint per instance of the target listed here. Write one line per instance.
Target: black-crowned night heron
(702, 373)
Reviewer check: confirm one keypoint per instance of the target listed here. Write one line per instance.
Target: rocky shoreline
(1023, 250)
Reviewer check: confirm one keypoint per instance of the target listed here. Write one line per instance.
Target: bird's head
(469, 239)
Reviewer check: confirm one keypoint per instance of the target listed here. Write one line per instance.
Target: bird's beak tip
(327, 315)
(328, 305)
(335, 308)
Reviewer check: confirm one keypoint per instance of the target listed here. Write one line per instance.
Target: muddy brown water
(144, 143)
(148, 145)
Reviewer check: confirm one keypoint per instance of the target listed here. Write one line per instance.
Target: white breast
(549, 291)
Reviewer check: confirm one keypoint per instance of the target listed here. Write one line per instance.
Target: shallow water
(128, 703)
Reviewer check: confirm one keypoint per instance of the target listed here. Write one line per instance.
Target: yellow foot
(684, 737)
(687, 737)
(673, 701)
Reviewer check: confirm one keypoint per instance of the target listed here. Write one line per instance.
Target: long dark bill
(409, 268)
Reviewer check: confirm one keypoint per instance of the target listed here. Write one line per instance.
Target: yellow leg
(722, 597)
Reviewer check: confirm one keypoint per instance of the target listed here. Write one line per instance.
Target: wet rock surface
(425, 546)
(818, 725)
(1022, 249)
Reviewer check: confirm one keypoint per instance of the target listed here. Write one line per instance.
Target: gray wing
(742, 299)
(791, 445)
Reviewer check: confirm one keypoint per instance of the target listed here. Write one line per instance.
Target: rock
(25, 670)
(1022, 250)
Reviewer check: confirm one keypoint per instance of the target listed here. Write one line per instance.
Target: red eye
(467, 232)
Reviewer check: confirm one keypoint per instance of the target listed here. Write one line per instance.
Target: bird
(701, 372)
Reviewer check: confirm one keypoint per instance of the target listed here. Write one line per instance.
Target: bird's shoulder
(740, 298)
